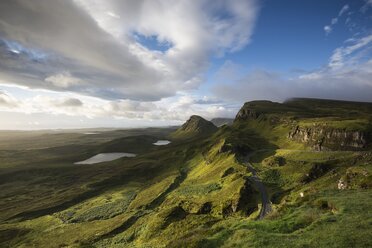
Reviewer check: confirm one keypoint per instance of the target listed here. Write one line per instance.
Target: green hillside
(296, 174)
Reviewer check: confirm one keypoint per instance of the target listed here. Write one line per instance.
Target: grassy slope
(177, 195)
(325, 216)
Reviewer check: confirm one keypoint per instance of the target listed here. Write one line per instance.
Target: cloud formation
(7, 101)
(90, 47)
(172, 110)
(346, 77)
(329, 28)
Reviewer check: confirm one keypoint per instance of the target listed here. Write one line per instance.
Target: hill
(218, 122)
(292, 174)
(321, 124)
(194, 126)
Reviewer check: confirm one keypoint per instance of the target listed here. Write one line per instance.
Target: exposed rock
(246, 113)
(341, 184)
(327, 138)
(256, 109)
(355, 178)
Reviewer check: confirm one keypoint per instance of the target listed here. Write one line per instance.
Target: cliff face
(325, 127)
(246, 113)
(254, 109)
(326, 138)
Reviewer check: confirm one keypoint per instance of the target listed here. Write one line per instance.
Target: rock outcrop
(355, 178)
(327, 138)
(246, 113)
(254, 109)
(321, 124)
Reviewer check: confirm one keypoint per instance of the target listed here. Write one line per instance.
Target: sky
(139, 63)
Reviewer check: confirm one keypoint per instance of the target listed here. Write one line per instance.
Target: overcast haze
(114, 63)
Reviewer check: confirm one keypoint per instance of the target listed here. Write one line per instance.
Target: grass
(306, 226)
(337, 123)
(194, 192)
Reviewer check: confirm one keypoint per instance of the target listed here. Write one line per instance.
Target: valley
(292, 174)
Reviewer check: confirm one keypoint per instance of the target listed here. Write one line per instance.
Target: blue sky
(289, 36)
(156, 62)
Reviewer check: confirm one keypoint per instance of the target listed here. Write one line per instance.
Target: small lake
(162, 142)
(105, 157)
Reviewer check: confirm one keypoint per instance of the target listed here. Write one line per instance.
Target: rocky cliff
(254, 109)
(326, 127)
(328, 138)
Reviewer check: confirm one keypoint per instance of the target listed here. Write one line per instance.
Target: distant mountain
(195, 125)
(222, 121)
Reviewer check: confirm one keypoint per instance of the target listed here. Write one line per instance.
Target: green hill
(195, 126)
(292, 174)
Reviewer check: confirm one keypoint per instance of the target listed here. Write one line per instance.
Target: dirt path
(266, 204)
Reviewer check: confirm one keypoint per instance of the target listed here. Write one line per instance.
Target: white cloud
(329, 28)
(94, 42)
(69, 102)
(344, 84)
(344, 9)
(59, 105)
(63, 80)
(341, 54)
(346, 77)
(7, 101)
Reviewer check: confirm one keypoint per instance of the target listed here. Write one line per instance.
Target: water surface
(162, 142)
(105, 157)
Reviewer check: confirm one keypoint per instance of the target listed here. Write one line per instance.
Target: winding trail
(266, 204)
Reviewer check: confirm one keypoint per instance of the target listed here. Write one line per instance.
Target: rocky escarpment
(321, 124)
(254, 109)
(246, 113)
(328, 138)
